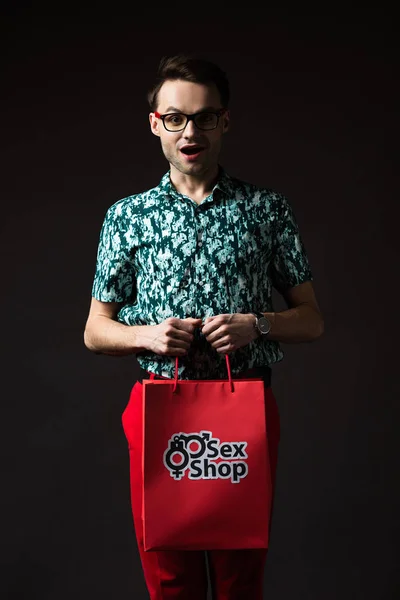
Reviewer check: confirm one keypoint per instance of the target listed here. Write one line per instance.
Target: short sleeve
(114, 279)
(289, 264)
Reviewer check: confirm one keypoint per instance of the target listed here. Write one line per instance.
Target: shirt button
(200, 244)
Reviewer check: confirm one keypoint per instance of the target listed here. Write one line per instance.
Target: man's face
(192, 151)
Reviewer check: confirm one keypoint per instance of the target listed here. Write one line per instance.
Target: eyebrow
(177, 110)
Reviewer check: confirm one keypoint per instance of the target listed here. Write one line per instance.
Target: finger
(225, 349)
(212, 326)
(168, 334)
(187, 322)
(222, 317)
(190, 324)
(218, 339)
(175, 351)
(170, 347)
(180, 330)
(182, 340)
(208, 319)
(221, 342)
(220, 330)
(180, 335)
(194, 320)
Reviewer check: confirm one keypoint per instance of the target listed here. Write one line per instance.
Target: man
(186, 269)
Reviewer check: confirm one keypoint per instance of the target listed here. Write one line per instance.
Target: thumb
(193, 323)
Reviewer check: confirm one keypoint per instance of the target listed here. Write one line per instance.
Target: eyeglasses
(203, 120)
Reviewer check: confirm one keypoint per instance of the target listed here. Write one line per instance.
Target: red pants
(234, 574)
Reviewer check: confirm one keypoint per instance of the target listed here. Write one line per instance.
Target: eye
(174, 119)
(206, 117)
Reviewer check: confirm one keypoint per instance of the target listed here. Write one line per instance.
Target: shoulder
(135, 205)
(257, 195)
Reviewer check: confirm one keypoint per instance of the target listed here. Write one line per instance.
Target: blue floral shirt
(162, 255)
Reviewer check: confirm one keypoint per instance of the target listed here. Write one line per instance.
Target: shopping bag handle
(228, 367)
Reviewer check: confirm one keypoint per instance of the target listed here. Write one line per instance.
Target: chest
(224, 234)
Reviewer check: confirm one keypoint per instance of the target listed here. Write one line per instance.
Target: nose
(190, 129)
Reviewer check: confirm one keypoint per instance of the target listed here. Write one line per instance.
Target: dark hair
(189, 68)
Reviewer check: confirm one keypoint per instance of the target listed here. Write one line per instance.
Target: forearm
(300, 324)
(106, 336)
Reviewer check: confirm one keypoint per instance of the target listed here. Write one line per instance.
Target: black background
(315, 116)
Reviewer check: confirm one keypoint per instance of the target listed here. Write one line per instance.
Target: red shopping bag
(207, 480)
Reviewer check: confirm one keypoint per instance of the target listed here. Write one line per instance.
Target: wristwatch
(262, 324)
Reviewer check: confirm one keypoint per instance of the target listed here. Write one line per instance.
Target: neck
(196, 187)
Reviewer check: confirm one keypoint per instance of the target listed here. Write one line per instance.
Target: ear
(154, 124)
(225, 121)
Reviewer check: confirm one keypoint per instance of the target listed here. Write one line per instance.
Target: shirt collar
(225, 184)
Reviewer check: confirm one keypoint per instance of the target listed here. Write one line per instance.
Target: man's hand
(226, 333)
(172, 337)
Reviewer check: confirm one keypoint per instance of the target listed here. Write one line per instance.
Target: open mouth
(191, 150)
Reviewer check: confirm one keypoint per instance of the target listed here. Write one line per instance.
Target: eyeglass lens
(177, 121)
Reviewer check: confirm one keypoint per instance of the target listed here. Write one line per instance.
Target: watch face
(264, 325)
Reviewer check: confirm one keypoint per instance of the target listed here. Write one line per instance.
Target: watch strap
(259, 315)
